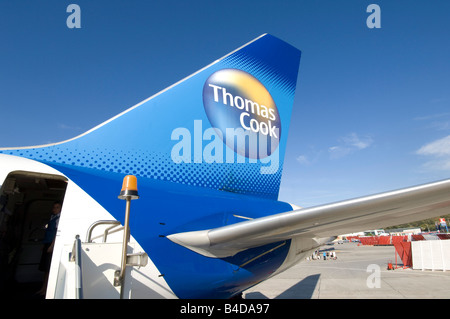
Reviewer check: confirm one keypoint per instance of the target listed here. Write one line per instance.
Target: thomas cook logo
(236, 101)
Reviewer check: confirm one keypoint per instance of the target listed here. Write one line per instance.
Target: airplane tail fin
(224, 127)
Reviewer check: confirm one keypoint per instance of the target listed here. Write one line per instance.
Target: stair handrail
(107, 231)
(76, 257)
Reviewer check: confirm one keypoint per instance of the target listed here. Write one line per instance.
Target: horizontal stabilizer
(375, 211)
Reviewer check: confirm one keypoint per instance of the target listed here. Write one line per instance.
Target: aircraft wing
(375, 211)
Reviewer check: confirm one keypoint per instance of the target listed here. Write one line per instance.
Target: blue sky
(372, 107)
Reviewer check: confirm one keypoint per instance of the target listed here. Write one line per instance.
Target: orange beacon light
(129, 188)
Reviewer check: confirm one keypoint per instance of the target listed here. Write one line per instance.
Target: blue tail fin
(224, 127)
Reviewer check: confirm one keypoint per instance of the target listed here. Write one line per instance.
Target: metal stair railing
(109, 230)
(76, 257)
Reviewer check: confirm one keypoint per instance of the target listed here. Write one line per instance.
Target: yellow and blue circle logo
(243, 113)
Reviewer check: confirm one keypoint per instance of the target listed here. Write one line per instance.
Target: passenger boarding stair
(99, 269)
(104, 270)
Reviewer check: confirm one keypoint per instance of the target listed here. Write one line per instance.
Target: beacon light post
(128, 192)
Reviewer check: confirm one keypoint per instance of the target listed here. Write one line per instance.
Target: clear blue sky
(372, 108)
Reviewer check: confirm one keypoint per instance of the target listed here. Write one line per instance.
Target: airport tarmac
(359, 272)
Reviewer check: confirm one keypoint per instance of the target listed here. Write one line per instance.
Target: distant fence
(392, 240)
(381, 240)
(424, 251)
